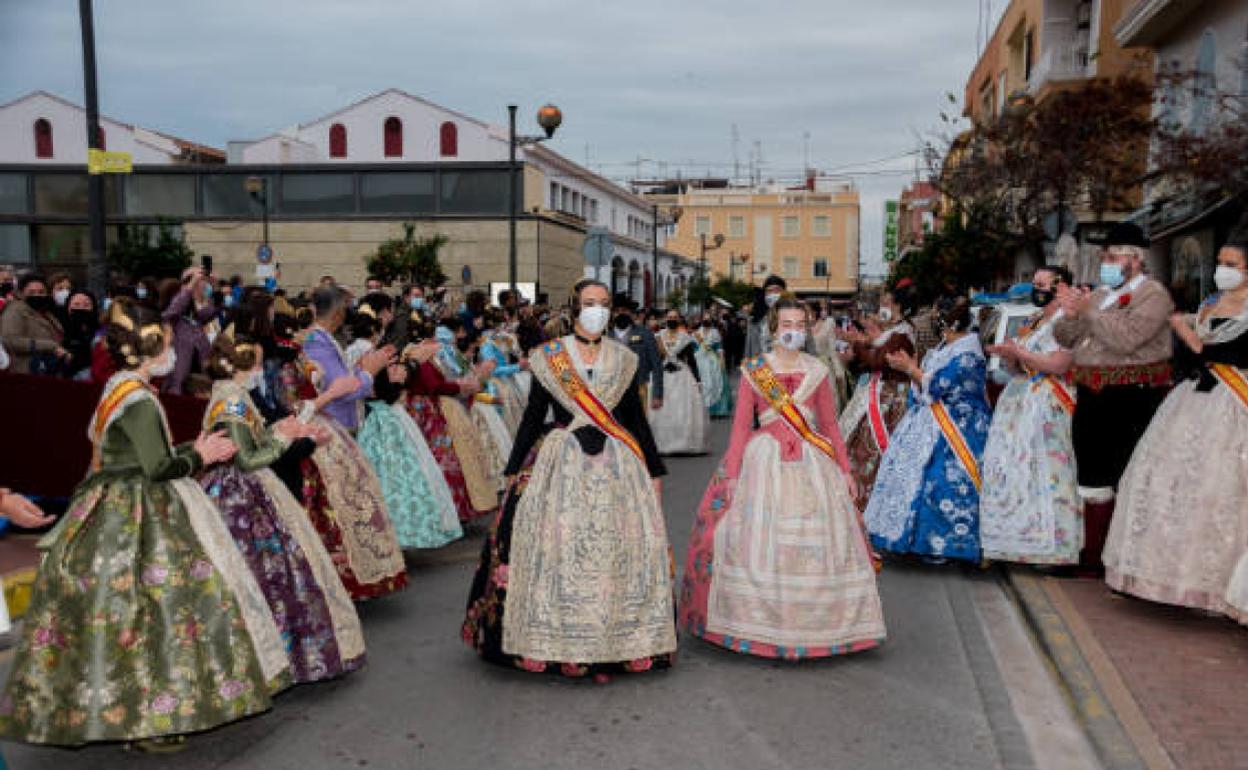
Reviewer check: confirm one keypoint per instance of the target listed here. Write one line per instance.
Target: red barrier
(43, 431)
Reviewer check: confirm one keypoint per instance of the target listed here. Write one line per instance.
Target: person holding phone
(188, 311)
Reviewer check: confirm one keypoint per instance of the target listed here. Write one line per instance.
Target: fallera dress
(425, 387)
(145, 620)
(682, 425)
(926, 496)
(313, 611)
(778, 564)
(575, 577)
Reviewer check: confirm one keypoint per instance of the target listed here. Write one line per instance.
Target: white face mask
(886, 314)
(165, 365)
(140, 291)
(594, 319)
(771, 299)
(793, 340)
(1228, 278)
(61, 296)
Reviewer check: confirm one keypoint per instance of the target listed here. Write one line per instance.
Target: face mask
(622, 322)
(207, 291)
(82, 317)
(228, 300)
(140, 291)
(417, 303)
(594, 319)
(106, 304)
(771, 299)
(6, 288)
(444, 335)
(886, 314)
(1228, 278)
(61, 296)
(1111, 275)
(673, 324)
(1042, 297)
(165, 365)
(41, 303)
(793, 340)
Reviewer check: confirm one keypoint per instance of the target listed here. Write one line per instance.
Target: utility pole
(97, 265)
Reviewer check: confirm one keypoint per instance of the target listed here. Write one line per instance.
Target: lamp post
(549, 118)
(258, 188)
(673, 216)
(719, 241)
(97, 267)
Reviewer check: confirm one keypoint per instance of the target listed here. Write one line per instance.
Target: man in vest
(1120, 336)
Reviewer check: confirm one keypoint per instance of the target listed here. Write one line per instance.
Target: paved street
(932, 697)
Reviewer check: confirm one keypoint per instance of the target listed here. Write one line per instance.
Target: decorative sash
(957, 443)
(779, 399)
(875, 413)
(104, 414)
(1232, 378)
(1061, 392)
(565, 372)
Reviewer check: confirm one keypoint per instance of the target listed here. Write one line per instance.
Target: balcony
(1058, 63)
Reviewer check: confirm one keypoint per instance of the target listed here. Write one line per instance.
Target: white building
(396, 127)
(40, 128)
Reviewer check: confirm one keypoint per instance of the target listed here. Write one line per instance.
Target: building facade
(916, 215)
(808, 235)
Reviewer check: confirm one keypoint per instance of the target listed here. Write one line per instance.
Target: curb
(1075, 675)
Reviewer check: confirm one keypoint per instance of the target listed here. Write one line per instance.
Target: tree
(1197, 157)
(739, 293)
(138, 253)
(698, 292)
(409, 259)
(963, 254)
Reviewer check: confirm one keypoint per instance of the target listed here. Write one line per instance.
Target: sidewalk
(1157, 687)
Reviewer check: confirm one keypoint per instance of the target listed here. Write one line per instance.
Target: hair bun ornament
(151, 330)
(117, 316)
(368, 311)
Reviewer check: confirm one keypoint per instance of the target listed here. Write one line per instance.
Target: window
(576, 203)
(337, 141)
(397, 192)
(554, 196)
(43, 138)
(791, 267)
(476, 192)
(593, 210)
(12, 194)
(1029, 44)
(448, 138)
(790, 227)
(226, 195)
(1205, 84)
(821, 267)
(736, 227)
(15, 243)
(61, 194)
(821, 226)
(393, 137)
(702, 226)
(160, 194)
(318, 194)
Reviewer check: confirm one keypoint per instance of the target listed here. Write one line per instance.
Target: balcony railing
(1060, 62)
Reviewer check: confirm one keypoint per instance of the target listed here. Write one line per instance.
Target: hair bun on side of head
(133, 333)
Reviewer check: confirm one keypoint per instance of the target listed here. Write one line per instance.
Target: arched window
(103, 139)
(43, 138)
(337, 141)
(394, 137)
(449, 139)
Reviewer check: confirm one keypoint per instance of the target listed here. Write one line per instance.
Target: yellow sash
(565, 372)
(104, 413)
(779, 399)
(957, 442)
(1232, 378)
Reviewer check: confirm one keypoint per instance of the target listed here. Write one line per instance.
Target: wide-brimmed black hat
(1125, 234)
(775, 280)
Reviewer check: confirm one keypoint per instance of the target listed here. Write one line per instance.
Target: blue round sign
(466, 274)
(264, 254)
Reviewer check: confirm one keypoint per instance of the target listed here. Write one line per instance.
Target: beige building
(808, 235)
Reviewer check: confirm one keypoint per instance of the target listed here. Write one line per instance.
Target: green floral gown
(144, 620)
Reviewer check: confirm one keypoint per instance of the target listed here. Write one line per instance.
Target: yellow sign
(104, 162)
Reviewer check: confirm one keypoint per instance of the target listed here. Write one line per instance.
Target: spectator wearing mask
(187, 308)
(30, 330)
(758, 338)
(60, 286)
(6, 285)
(82, 321)
(641, 341)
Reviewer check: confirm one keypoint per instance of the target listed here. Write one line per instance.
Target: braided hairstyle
(134, 333)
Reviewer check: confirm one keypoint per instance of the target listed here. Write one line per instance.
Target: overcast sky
(664, 81)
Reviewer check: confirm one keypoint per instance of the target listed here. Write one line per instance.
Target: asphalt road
(933, 696)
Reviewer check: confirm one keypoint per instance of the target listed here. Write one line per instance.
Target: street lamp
(258, 188)
(549, 118)
(673, 216)
(719, 241)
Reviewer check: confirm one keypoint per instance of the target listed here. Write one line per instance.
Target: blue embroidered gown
(924, 501)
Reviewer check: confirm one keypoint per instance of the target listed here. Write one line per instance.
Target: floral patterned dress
(144, 619)
(1030, 510)
(425, 385)
(313, 611)
(925, 502)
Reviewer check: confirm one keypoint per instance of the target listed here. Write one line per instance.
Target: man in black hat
(627, 330)
(758, 338)
(1120, 335)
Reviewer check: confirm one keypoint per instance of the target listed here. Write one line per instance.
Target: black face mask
(1042, 297)
(6, 288)
(463, 343)
(673, 324)
(42, 304)
(622, 322)
(84, 318)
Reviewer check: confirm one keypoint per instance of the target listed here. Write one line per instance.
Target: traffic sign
(264, 254)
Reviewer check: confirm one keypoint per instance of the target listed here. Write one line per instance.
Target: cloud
(663, 80)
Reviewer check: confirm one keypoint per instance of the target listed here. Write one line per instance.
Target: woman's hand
(903, 362)
(214, 448)
(23, 512)
(289, 428)
(343, 386)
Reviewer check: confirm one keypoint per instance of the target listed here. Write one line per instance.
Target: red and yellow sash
(875, 413)
(957, 442)
(1061, 391)
(779, 399)
(565, 372)
(1232, 378)
(104, 414)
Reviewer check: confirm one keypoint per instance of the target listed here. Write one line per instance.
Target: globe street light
(549, 118)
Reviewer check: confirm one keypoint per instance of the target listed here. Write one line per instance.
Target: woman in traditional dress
(500, 346)
(709, 356)
(575, 576)
(681, 424)
(313, 611)
(778, 562)
(480, 456)
(145, 623)
(421, 506)
(872, 415)
(1030, 510)
(828, 346)
(926, 497)
(1181, 525)
(341, 491)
